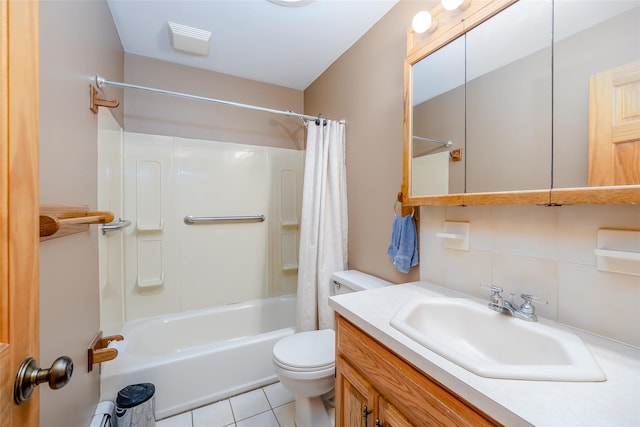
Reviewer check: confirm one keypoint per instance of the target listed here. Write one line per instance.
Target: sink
(496, 345)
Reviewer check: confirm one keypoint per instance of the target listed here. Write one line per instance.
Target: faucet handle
(494, 289)
(528, 298)
(495, 299)
(527, 307)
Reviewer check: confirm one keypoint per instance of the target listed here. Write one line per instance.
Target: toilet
(305, 362)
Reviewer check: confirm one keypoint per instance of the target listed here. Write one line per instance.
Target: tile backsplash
(544, 251)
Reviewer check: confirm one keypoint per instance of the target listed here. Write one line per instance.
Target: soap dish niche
(618, 251)
(455, 235)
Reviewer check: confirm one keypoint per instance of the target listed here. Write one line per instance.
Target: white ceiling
(254, 39)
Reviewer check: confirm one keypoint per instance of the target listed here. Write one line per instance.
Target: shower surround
(160, 265)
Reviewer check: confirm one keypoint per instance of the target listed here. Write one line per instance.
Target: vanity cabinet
(361, 405)
(375, 387)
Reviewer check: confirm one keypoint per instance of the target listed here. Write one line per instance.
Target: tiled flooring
(270, 406)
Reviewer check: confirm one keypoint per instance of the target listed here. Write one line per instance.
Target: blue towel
(403, 248)
(392, 250)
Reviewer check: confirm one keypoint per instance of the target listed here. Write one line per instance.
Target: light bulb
(421, 22)
(451, 4)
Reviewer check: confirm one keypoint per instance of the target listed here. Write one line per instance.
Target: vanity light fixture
(423, 22)
(454, 4)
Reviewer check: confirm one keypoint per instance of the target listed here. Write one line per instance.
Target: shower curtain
(323, 228)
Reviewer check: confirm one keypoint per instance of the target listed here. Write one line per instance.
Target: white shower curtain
(323, 228)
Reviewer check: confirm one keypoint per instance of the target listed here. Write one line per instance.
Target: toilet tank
(343, 282)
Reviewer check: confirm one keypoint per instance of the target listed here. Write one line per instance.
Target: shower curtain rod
(102, 82)
(437, 141)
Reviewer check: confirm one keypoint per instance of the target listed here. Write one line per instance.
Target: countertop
(615, 402)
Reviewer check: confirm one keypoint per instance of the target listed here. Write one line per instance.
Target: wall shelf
(455, 235)
(63, 220)
(618, 251)
(451, 236)
(635, 256)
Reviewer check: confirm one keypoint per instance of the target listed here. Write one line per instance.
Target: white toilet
(305, 361)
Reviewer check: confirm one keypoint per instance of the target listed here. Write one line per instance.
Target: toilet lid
(306, 350)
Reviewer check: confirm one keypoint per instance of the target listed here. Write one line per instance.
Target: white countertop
(615, 402)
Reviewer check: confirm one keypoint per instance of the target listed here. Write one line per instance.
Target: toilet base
(311, 412)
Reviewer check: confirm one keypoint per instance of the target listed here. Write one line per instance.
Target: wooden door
(614, 126)
(355, 398)
(19, 236)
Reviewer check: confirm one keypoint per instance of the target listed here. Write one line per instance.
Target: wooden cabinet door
(390, 416)
(614, 126)
(355, 399)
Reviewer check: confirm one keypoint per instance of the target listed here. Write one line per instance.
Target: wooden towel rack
(62, 220)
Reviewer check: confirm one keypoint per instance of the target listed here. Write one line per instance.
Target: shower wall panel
(151, 244)
(228, 262)
(111, 245)
(170, 266)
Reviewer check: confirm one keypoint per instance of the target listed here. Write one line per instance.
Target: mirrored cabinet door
(438, 94)
(542, 98)
(508, 100)
(596, 93)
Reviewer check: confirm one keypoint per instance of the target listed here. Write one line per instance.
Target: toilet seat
(306, 351)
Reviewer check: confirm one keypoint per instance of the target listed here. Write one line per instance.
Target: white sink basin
(496, 345)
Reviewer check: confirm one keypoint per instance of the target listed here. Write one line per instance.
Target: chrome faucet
(526, 310)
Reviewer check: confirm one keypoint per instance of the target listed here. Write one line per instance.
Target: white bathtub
(200, 357)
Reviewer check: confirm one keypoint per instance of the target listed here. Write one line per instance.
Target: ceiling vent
(190, 40)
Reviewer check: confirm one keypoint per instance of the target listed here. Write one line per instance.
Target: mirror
(438, 91)
(508, 102)
(592, 40)
(521, 112)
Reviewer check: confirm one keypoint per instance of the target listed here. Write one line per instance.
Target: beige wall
(365, 87)
(77, 40)
(165, 115)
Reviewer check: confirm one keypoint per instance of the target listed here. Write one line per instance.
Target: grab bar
(190, 220)
(115, 225)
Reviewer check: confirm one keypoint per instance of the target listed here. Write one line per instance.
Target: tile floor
(270, 406)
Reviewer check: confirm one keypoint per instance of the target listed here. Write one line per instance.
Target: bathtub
(199, 357)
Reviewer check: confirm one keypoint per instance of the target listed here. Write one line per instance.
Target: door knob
(29, 376)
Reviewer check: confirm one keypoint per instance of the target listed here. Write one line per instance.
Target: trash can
(135, 406)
